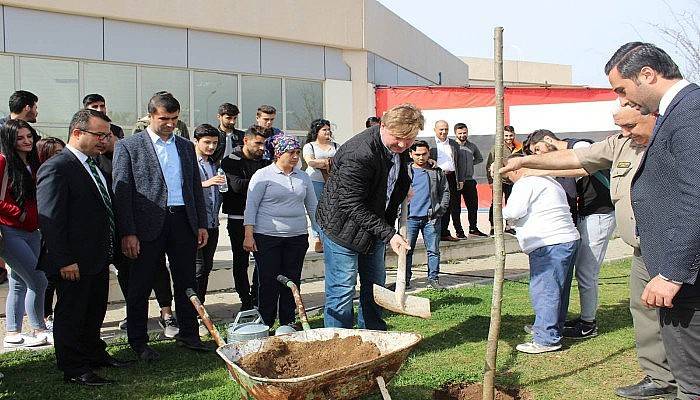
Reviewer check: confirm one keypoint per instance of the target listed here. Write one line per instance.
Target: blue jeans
(27, 285)
(342, 267)
(318, 189)
(430, 228)
(549, 266)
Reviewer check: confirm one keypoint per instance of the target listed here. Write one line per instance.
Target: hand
(215, 180)
(660, 292)
(460, 185)
(202, 237)
(70, 272)
(399, 244)
(410, 194)
(249, 244)
(533, 172)
(131, 246)
(432, 163)
(512, 165)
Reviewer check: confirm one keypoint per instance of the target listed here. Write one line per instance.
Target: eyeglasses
(100, 135)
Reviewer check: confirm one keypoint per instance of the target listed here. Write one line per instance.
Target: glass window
(210, 91)
(52, 131)
(117, 83)
(303, 103)
(257, 91)
(175, 81)
(7, 83)
(55, 82)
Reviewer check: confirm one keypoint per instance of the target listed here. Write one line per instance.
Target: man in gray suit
(666, 200)
(160, 209)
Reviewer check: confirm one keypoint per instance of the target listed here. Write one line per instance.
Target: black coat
(238, 171)
(353, 210)
(72, 217)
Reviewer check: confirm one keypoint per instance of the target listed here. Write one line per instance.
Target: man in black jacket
(358, 207)
(239, 166)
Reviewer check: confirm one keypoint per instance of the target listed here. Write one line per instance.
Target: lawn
(452, 351)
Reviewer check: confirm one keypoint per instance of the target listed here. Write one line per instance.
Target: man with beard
(229, 136)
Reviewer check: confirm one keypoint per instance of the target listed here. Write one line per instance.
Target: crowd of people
(149, 205)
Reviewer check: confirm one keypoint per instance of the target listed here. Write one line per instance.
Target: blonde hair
(404, 120)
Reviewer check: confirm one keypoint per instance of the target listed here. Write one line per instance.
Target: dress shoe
(510, 231)
(193, 344)
(462, 236)
(476, 232)
(147, 354)
(449, 238)
(88, 379)
(112, 362)
(645, 389)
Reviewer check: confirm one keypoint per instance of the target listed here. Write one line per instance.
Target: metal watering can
(252, 328)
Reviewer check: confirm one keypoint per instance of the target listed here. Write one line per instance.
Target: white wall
(337, 98)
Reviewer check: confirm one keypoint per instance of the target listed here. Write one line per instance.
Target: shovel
(398, 301)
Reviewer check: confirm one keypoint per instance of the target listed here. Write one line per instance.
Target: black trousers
(80, 311)
(471, 200)
(48, 296)
(507, 188)
(161, 282)
(180, 244)
(278, 256)
(680, 331)
(454, 210)
(246, 292)
(205, 262)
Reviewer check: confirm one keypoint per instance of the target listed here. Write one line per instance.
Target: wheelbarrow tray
(341, 383)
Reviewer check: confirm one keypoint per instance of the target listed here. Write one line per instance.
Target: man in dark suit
(448, 157)
(77, 225)
(666, 199)
(160, 207)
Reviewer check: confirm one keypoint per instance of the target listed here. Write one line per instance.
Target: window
(303, 103)
(257, 91)
(7, 83)
(175, 81)
(117, 83)
(210, 91)
(55, 82)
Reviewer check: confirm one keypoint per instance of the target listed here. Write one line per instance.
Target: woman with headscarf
(280, 196)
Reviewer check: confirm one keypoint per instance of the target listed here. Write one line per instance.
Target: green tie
(105, 195)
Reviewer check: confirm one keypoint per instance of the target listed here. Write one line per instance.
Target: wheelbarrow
(348, 382)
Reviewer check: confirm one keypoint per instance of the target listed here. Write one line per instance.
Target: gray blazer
(140, 193)
(460, 166)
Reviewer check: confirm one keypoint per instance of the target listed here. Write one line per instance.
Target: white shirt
(83, 160)
(445, 159)
(670, 94)
(538, 210)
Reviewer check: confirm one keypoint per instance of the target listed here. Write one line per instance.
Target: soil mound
(473, 391)
(279, 359)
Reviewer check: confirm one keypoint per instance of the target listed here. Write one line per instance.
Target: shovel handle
(401, 264)
(207, 322)
(297, 299)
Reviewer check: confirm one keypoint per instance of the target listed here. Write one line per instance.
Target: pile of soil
(473, 391)
(279, 359)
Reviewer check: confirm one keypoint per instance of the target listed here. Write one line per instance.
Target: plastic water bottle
(223, 187)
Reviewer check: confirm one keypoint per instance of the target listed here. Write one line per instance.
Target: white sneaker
(534, 348)
(48, 334)
(23, 340)
(49, 322)
(528, 329)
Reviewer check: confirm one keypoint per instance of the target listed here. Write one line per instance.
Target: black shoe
(462, 236)
(491, 232)
(476, 232)
(88, 379)
(147, 354)
(435, 284)
(110, 361)
(572, 322)
(510, 231)
(192, 344)
(645, 389)
(581, 330)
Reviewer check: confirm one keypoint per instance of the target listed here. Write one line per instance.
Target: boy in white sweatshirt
(539, 212)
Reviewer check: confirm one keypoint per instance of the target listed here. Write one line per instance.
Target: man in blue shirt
(430, 201)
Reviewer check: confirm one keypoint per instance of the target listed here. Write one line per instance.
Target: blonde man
(357, 211)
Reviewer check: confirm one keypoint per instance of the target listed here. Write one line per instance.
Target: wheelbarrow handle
(297, 299)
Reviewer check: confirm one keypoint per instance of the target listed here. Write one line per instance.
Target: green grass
(452, 351)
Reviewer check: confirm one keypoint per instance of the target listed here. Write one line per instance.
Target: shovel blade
(412, 305)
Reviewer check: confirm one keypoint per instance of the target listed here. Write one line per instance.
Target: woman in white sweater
(539, 212)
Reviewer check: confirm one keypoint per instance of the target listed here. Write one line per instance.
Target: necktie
(105, 198)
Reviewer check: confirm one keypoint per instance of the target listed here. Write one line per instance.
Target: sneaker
(23, 340)
(528, 329)
(581, 330)
(572, 322)
(476, 232)
(435, 284)
(462, 236)
(49, 323)
(169, 325)
(122, 324)
(534, 348)
(48, 334)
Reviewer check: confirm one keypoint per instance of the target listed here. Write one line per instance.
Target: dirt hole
(473, 391)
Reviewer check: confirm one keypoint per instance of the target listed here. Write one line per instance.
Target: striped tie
(105, 197)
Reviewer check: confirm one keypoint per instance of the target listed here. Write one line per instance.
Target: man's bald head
(634, 125)
(442, 129)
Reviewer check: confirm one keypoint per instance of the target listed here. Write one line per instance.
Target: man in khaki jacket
(622, 154)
